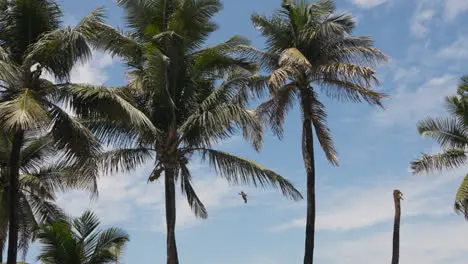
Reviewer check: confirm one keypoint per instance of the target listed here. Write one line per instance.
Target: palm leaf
(461, 198)
(124, 160)
(24, 112)
(197, 206)
(448, 132)
(449, 159)
(238, 170)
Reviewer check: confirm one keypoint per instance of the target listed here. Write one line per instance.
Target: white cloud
(425, 242)
(128, 199)
(453, 8)
(93, 71)
(407, 105)
(364, 206)
(458, 50)
(368, 3)
(418, 27)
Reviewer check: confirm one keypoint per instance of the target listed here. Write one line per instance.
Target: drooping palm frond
(197, 206)
(319, 121)
(448, 132)
(274, 110)
(449, 159)
(124, 160)
(109, 103)
(238, 170)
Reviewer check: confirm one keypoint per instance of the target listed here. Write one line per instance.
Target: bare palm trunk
(309, 163)
(13, 190)
(172, 257)
(397, 197)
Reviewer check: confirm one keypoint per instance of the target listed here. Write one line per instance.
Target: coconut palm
(79, 241)
(451, 134)
(173, 78)
(309, 49)
(31, 43)
(40, 181)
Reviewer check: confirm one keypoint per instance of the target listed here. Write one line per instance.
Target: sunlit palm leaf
(23, 113)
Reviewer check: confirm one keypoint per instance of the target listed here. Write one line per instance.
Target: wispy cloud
(428, 242)
(408, 105)
(368, 3)
(419, 21)
(366, 206)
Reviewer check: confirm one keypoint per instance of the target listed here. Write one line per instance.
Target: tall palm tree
(172, 78)
(451, 134)
(40, 181)
(79, 241)
(309, 47)
(32, 42)
(397, 197)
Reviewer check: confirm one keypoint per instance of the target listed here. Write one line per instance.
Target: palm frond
(238, 170)
(197, 206)
(105, 240)
(449, 159)
(24, 112)
(109, 103)
(461, 198)
(319, 121)
(273, 111)
(124, 160)
(448, 132)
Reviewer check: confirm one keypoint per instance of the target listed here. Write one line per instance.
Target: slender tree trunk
(309, 163)
(172, 257)
(13, 197)
(396, 227)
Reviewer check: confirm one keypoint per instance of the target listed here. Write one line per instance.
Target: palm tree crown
(79, 241)
(451, 134)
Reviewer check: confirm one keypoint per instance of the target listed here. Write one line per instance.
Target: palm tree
(173, 81)
(451, 133)
(309, 47)
(32, 42)
(397, 197)
(79, 241)
(40, 181)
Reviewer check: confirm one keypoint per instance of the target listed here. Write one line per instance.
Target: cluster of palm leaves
(181, 99)
(451, 134)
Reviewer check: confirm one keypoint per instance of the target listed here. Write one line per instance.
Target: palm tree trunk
(396, 227)
(169, 178)
(13, 189)
(309, 163)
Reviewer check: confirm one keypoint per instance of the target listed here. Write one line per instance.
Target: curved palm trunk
(169, 180)
(13, 189)
(309, 163)
(396, 227)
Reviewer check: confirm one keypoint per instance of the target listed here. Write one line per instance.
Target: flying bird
(244, 196)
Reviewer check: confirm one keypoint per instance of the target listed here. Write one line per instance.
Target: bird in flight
(244, 196)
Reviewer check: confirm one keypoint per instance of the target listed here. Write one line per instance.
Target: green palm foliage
(173, 79)
(451, 134)
(40, 181)
(310, 50)
(31, 43)
(79, 241)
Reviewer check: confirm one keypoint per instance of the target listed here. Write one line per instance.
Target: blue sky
(428, 43)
